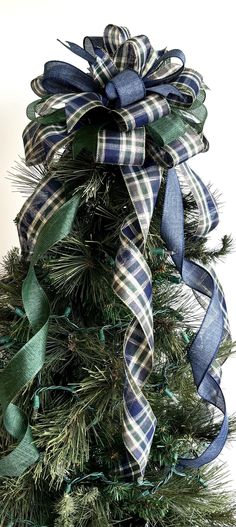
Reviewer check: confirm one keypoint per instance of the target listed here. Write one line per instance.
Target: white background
(205, 31)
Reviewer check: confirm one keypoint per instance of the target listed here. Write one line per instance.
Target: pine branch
(25, 179)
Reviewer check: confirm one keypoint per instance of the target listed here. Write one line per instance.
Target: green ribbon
(29, 360)
(167, 129)
(172, 126)
(56, 117)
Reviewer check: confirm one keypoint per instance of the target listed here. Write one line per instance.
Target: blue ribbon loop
(127, 87)
(61, 77)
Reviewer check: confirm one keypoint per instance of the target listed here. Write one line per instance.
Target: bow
(130, 86)
(145, 112)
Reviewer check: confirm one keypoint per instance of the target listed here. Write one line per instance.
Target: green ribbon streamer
(29, 360)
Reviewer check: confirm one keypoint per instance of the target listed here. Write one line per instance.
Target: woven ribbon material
(29, 360)
(146, 113)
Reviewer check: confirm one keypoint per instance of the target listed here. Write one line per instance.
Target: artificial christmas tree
(114, 325)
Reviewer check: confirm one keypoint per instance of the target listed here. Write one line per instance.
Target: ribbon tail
(30, 358)
(133, 285)
(205, 346)
(207, 207)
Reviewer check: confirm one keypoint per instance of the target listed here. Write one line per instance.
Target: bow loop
(37, 86)
(189, 83)
(128, 79)
(141, 113)
(164, 70)
(136, 53)
(126, 87)
(113, 37)
(104, 68)
(61, 77)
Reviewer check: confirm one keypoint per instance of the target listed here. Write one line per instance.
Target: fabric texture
(160, 90)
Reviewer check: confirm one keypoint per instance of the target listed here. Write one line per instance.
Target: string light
(6, 339)
(102, 335)
(161, 252)
(42, 389)
(17, 310)
(185, 337)
(67, 311)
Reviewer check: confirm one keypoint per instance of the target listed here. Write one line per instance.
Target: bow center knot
(125, 88)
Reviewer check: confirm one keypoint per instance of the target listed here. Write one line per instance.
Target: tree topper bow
(136, 90)
(145, 112)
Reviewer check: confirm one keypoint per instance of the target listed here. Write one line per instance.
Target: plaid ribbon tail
(133, 285)
(36, 211)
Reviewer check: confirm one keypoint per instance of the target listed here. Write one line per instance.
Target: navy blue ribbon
(126, 87)
(205, 345)
(61, 77)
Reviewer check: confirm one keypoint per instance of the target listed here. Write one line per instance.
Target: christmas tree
(113, 323)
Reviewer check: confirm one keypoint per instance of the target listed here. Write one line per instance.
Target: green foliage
(66, 511)
(25, 179)
(77, 420)
(61, 434)
(23, 501)
(79, 269)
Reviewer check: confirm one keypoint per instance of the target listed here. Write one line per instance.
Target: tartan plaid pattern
(59, 100)
(114, 36)
(132, 284)
(120, 148)
(208, 217)
(179, 150)
(132, 277)
(189, 84)
(137, 54)
(37, 86)
(119, 53)
(41, 142)
(37, 209)
(165, 69)
(142, 186)
(141, 113)
(104, 68)
(77, 108)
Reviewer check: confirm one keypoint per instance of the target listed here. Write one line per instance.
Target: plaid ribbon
(36, 211)
(156, 89)
(159, 85)
(121, 148)
(132, 284)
